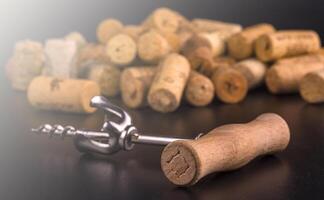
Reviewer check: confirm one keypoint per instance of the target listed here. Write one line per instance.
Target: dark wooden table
(35, 167)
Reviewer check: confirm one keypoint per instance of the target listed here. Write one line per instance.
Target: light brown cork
(107, 77)
(207, 25)
(107, 29)
(164, 20)
(241, 45)
(121, 49)
(134, 84)
(222, 61)
(169, 83)
(152, 47)
(285, 76)
(225, 148)
(231, 86)
(200, 90)
(198, 52)
(133, 31)
(253, 70)
(173, 40)
(68, 95)
(91, 54)
(312, 87)
(273, 46)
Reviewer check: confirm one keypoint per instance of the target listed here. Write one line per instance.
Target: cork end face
(179, 164)
(311, 88)
(263, 48)
(107, 29)
(89, 90)
(152, 47)
(239, 47)
(121, 49)
(230, 86)
(272, 80)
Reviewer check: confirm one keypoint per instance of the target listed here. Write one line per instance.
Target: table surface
(36, 167)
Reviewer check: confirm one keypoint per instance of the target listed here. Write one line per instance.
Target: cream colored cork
(285, 77)
(273, 46)
(312, 87)
(253, 70)
(61, 58)
(200, 90)
(134, 84)
(152, 47)
(121, 49)
(169, 83)
(68, 95)
(107, 29)
(26, 63)
(78, 38)
(107, 77)
(216, 42)
(164, 20)
(241, 45)
(225, 148)
(207, 25)
(231, 86)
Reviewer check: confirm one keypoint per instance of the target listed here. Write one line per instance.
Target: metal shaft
(155, 140)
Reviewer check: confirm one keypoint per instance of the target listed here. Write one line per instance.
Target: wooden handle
(228, 147)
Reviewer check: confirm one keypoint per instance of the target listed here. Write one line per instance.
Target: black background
(33, 167)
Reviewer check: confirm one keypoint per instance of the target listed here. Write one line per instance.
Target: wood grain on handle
(227, 147)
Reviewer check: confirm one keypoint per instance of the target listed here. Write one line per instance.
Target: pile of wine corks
(167, 60)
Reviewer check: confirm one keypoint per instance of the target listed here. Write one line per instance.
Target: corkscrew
(114, 135)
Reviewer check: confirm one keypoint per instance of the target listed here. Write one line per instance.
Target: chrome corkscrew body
(114, 136)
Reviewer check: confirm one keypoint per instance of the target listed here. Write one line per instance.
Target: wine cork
(208, 68)
(200, 90)
(121, 49)
(164, 20)
(314, 57)
(228, 147)
(173, 40)
(107, 77)
(152, 47)
(230, 84)
(216, 42)
(68, 95)
(26, 63)
(133, 31)
(78, 38)
(253, 70)
(134, 84)
(91, 54)
(241, 45)
(273, 46)
(312, 87)
(207, 25)
(61, 57)
(169, 82)
(198, 51)
(285, 77)
(107, 29)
